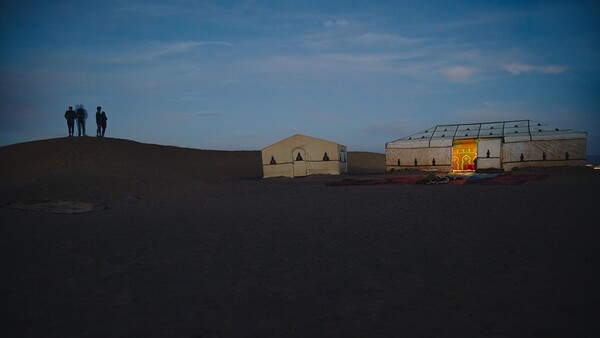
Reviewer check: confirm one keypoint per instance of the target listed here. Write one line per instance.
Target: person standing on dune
(98, 121)
(103, 119)
(81, 116)
(70, 117)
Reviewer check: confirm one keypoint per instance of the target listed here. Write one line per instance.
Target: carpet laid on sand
(58, 206)
(483, 179)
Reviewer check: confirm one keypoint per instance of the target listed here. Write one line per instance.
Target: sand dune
(118, 166)
(91, 153)
(57, 156)
(195, 244)
(99, 166)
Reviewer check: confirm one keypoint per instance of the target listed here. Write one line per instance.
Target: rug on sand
(58, 206)
(507, 179)
(475, 179)
(377, 181)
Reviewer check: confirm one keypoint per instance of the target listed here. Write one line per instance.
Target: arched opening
(464, 153)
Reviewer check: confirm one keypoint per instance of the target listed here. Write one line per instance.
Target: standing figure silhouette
(103, 119)
(81, 116)
(70, 117)
(98, 119)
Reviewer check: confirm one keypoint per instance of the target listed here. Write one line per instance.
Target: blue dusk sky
(241, 75)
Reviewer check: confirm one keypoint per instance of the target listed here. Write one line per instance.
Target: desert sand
(194, 243)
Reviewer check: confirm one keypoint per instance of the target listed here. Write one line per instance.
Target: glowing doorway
(464, 153)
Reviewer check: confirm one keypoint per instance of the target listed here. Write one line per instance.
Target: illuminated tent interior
(301, 155)
(487, 146)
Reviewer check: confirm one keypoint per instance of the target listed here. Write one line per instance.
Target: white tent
(301, 155)
(493, 145)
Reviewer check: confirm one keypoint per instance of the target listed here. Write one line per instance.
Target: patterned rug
(58, 206)
(475, 179)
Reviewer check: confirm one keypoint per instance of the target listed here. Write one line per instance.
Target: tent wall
(489, 152)
(275, 170)
(424, 157)
(323, 168)
(556, 152)
(312, 151)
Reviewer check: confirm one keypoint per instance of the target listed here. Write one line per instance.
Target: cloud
(382, 39)
(458, 73)
(407, 63)
(521, 68)
(336, 23)
(184, 47)
(480, 19)
(371, 58)
(157, 50)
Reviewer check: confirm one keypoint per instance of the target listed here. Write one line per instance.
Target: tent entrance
(464, 152)
(299, 155)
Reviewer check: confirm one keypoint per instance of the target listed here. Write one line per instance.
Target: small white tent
(301, 155)
(493, 145)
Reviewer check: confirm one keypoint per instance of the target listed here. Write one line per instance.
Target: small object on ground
(434, 179)
(58, 206)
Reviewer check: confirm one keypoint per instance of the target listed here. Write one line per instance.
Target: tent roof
(520, 130)
(302, 136)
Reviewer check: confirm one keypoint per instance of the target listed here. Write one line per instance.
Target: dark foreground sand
(195, 244)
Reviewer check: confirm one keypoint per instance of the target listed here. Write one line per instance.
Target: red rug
(501, 179)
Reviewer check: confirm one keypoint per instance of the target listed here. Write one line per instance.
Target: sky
(241, 75)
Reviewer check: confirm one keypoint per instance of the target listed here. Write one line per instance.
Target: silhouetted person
(70, 117)
(103, 119)
(81, 116)
(98, 121)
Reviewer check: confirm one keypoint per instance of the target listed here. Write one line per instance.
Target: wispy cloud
(344, 63)
(521, 68)
(155, 50)
(184, 47)
(458, 73)
(370, 39)
(371, 58)
(480, 19)
(336, 23)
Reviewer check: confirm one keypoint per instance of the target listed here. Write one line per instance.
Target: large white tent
(505, 145)
(301, 155)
